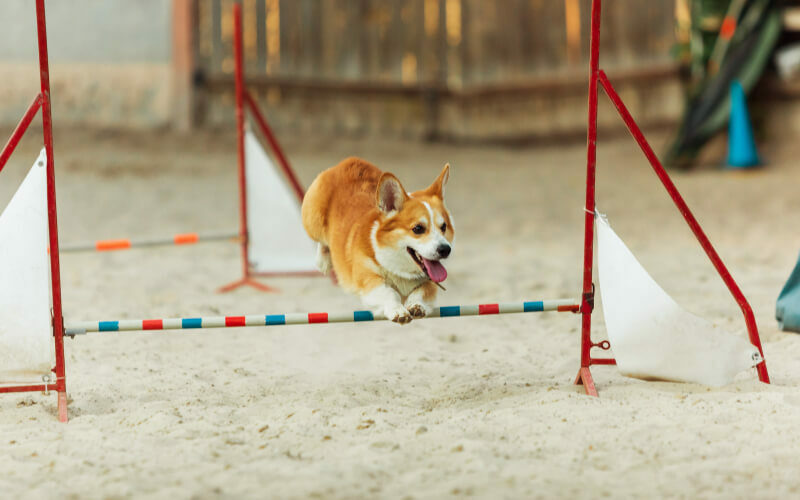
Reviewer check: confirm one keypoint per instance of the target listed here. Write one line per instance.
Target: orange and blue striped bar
(125, 244)
(72, 329)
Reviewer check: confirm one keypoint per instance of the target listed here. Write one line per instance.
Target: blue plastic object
(742, 152)
(787, 311)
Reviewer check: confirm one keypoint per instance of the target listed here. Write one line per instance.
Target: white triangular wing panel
(278, 242)
(651, 335)
(26, 338)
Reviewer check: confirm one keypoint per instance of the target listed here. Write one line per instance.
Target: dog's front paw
(398, 314)
(419, 310)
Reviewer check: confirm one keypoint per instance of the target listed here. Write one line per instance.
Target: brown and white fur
(383, 243)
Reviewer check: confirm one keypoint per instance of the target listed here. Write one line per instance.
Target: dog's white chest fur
(403, 286)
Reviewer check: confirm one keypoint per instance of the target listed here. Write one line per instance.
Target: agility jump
(663, 331)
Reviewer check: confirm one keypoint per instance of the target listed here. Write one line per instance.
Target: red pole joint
(588, 301)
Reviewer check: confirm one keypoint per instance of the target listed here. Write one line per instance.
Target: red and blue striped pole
(78, 328)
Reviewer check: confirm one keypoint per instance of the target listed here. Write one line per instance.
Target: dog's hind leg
(324, 263)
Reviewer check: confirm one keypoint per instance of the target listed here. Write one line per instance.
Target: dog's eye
(419, 229)
(444, 227)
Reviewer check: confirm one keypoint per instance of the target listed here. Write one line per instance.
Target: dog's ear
(390, 196)
(437, 188)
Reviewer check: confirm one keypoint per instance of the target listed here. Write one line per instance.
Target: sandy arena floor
(466, 407)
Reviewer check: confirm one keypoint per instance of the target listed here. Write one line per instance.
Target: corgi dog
(384, 244)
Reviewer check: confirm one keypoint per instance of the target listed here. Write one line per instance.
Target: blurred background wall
(477, 70)
(457, 69)
(110, 61)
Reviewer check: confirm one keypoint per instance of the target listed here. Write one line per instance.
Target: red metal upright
(587, 303)
(43, 100)
(52, 219)
(243, 227)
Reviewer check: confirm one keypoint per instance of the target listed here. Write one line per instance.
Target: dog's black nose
(443, 251)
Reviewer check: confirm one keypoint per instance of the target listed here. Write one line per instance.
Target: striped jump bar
(124, 243)
(72, 329)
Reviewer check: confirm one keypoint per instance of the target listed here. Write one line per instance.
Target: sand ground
(465, 407)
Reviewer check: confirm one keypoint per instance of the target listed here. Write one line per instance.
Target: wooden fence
(425, 51)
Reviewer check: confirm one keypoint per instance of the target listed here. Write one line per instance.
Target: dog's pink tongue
(436, 270)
